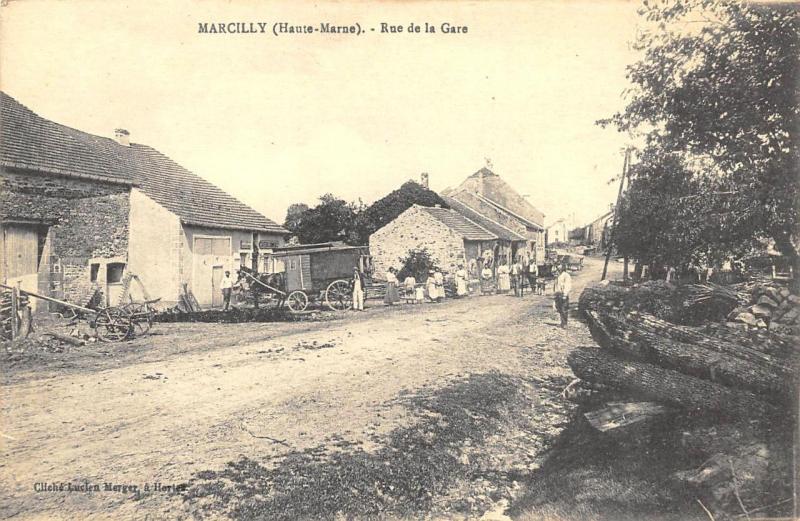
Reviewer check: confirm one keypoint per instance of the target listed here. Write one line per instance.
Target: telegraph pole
(610, 245)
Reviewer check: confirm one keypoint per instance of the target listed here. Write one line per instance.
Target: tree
(715, 100)
(332, 219)
(385, 210)
(337, 220)
(294, 215)
(417, 263)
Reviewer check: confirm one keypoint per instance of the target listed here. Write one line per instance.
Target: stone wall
(415, 229)
(89, 220)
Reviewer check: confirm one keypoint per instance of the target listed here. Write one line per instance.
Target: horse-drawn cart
(310, 273)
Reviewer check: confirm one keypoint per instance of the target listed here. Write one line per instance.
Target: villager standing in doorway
(562, 288)
(226, 285)
(358, 289)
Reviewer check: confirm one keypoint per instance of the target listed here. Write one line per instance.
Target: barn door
(20, 246)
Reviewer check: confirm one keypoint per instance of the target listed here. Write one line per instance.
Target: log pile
(769, 306)
(739, 383)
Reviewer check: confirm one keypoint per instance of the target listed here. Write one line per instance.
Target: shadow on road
(408, 475)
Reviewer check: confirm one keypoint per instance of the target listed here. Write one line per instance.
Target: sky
(276, 120)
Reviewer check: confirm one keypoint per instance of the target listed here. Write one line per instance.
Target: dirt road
(187, 406)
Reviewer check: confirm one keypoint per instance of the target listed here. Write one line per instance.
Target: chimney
(122, 137)
(423, 179)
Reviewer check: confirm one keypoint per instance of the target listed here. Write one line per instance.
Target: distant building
(596, 233)
(557, 233)
(79, 212)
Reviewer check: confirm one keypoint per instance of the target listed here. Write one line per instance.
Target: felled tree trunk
(649, 382)
(692, 359)
(779, 365)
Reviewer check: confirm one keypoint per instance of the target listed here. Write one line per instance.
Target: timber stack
(721, 394)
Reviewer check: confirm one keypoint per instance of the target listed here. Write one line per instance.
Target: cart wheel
(113, 325)
(143, 325)
(338, 296)
(297, 301)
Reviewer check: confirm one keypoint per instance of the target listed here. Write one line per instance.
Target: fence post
(14, 313)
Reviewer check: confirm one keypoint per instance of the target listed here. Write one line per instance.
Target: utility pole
(610, 245)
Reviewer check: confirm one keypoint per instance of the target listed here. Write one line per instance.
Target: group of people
(515, 276)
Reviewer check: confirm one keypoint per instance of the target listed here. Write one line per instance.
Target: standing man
(532, 273)
(358, 289)
(516, 276)
(226, 285)
(563, 286)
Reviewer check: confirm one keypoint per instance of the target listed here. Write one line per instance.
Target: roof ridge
(448, 199)
(514, 214)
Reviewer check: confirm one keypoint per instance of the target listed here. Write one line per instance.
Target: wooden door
(20, 245)
(293, 270)
(216, 291)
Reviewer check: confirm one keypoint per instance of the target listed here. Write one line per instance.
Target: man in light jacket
(562, 288)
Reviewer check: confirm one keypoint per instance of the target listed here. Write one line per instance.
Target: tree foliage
(385, 210)
(334, 219)
(417, 263)
(714, 99)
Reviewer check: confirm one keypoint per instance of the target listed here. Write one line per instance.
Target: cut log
(654, 383)
(695, 359)
(781, 366)
(621, 417)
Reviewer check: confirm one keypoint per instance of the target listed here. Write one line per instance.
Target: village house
(557, 232)
(449, 237)
(79, 213)
(488, 195)
(596, 233)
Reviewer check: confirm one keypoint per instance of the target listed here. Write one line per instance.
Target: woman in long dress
(430, 285)
(461, 281)
(392, 295)
(438, 278)
(503, 279)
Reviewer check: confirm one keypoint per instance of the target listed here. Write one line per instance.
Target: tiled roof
(491, 186)
(459, 224)
(496, 228)
(30, 142)
(192, 198)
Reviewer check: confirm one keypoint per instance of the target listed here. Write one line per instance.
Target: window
(115, 272)
(94, 269)
(242, 259)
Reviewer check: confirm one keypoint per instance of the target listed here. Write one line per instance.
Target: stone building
(487, 194)
(79, 212)
(449, 236)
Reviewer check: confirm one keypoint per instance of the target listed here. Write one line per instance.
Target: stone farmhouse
(487, 194)
(487, 222)
(79, 212)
